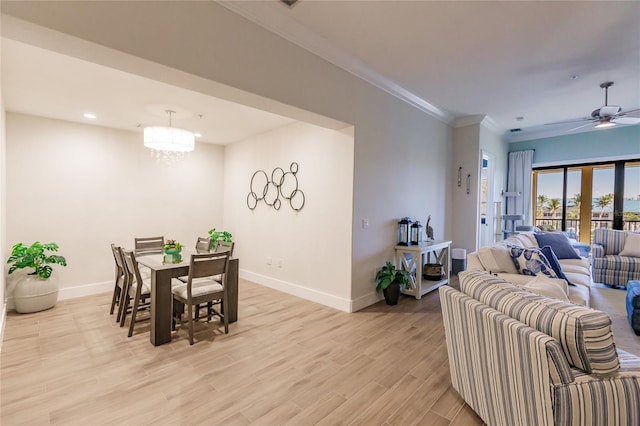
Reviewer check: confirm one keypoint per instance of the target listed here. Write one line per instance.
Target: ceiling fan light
(604, 124)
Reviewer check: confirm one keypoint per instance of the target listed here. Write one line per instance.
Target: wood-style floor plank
(286, 361)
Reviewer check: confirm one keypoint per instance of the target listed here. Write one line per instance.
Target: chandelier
(170, 139)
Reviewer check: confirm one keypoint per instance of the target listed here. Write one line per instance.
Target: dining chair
(203, 244)
(225, 246)
(148, 245)
(138, 290)
(206, 283)
(119, 281)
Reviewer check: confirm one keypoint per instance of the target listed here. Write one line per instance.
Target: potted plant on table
(390, 279)
(36, 290)
(219, 236)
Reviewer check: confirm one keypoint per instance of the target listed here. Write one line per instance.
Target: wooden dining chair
(119, 281)
(203, 244)
(206, 283)
(138, 291)
(225, 246)
(148, 245)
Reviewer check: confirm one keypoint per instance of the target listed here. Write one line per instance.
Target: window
(561, 197)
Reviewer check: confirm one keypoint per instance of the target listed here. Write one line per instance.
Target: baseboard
(364, 301)
(73, 292)
(326, 299)
(3, 321)
(85, 290)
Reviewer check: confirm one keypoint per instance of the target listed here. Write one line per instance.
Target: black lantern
(416, 233)
(403, 232)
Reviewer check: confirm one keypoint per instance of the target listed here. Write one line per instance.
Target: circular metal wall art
(281, 185)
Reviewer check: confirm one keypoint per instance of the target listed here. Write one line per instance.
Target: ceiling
(542, 61)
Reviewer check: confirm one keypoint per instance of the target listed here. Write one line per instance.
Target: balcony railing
(573, 225)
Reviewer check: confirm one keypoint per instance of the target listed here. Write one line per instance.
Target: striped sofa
(608, 267)
(518, 358)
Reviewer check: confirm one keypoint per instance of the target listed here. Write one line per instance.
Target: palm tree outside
(602, 203)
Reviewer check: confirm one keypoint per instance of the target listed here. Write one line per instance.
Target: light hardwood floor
(286, 361)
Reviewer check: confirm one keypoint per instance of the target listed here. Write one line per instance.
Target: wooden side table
(413, 259)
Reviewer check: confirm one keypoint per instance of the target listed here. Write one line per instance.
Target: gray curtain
(519, 180)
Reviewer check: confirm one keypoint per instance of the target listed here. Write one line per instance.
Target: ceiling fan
(607, 115)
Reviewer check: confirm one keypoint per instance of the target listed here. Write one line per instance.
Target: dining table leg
(161, 306)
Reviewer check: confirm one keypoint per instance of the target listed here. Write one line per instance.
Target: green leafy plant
(389, 274)
(35, 257)
(172, 244)
(220, 236)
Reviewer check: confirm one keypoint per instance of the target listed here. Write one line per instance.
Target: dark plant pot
(392, 294)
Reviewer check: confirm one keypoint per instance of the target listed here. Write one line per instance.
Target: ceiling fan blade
(633, 113)
(580, 127)
(570, 121)
(626, 120)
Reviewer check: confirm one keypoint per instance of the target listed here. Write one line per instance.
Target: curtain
(519, 180)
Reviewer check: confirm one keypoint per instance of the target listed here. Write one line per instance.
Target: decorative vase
(35, 294)
(392, 294)
(172, 255)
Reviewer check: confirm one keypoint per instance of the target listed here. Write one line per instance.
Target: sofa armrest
(583, 402)
(597, 250)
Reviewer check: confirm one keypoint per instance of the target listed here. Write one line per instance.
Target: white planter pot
(34, 294)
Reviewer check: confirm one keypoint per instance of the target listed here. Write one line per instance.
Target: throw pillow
(546, 287)
(555, 264)
(531, 262)
(559, 243)
(631, 246)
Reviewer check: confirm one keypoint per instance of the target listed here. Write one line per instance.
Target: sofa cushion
(585, 334)
(497, 258)
(580, 295)
(529, 261)
(546, 287)
(631, 246)
(559, 243)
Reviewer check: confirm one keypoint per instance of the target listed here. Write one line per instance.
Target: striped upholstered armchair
(518, 358)
(608, 265)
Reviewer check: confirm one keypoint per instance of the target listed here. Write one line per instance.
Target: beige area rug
(612, 301)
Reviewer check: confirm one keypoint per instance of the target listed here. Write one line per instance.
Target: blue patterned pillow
(529, 261)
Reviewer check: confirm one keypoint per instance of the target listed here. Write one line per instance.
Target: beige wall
(4, 250)
(310, 250)
(402, 156)
(85, 187)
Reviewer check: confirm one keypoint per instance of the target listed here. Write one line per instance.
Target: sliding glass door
(579, 199)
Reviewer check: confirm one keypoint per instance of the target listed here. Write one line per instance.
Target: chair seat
(146, 285)
(199, 287)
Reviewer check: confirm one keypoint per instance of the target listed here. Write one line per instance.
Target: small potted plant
(219, 236)
(36, 290)
(390, 279)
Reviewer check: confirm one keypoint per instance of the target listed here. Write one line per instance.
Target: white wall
(310, 250)
(4, 253)
(465, 217)
(402, 161)
(85, 187)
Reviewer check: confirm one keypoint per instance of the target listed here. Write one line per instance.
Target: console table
(413, 258)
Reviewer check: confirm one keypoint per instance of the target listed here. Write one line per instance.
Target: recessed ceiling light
(197, 135)
(573, 77)
(89, 115)
(519, 118)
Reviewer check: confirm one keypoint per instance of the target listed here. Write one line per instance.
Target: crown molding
(483, 120)
(273, 17)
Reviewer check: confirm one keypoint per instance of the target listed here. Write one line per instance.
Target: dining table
(162, 272)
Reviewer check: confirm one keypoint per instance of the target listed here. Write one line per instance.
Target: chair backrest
(222, 246)
(132, 273)
(203, 244)
(149, 245)
(117, 256)
(612, 240)
(209, 264)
